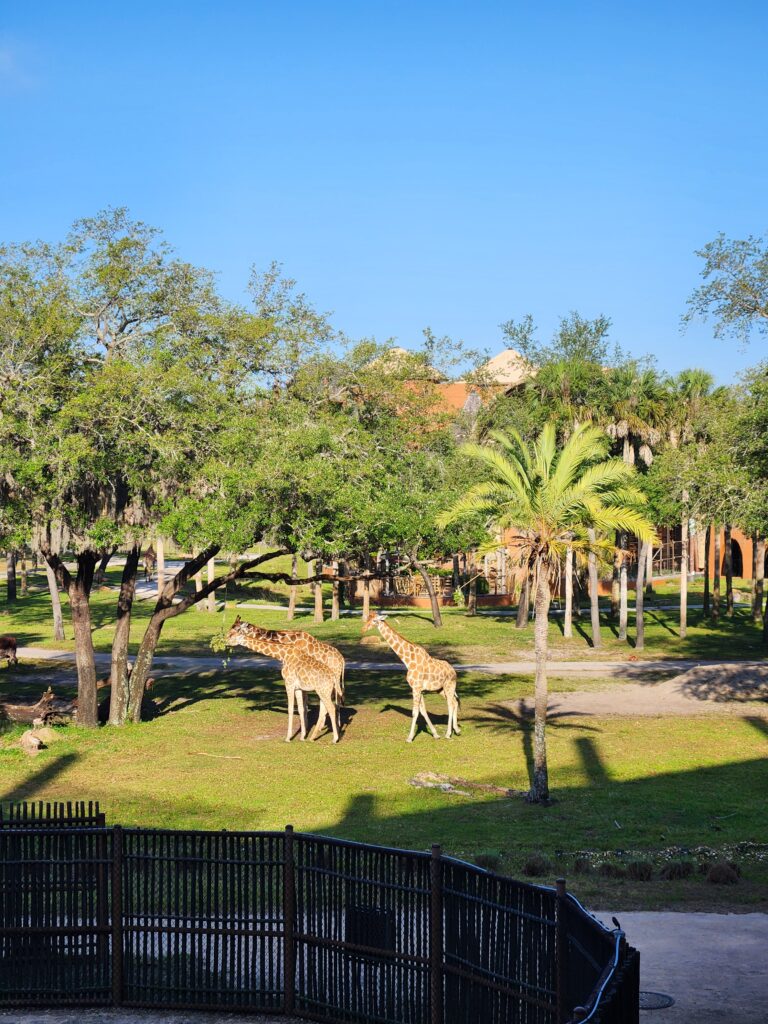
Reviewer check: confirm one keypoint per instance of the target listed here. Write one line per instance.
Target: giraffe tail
(340, 686)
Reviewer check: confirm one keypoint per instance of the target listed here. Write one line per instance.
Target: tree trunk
(456, 581)
(138, 678)
(594, 595)
(437, 618)
(642, 561)
(472, 596)
(53, 587)
(649, 572)
(23, 573)
(198, 582)
(119, 675)
(160, 567)
(757, 602)
(765, 625)
(540, 788)
(623, 567)
(707, 547)
(101, 572)
(615, 585)
(366, 596)
(568, 615)
(523, 604)
(79, 591)
(335, 593)
(319, 592)
(10, 561)
(211, 578)
(684, 578)
(716, 575)
(728, 565)
(293, 590)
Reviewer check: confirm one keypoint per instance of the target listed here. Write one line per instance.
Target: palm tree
(548, 498)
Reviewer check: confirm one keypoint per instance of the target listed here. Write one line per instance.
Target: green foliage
(735, 289)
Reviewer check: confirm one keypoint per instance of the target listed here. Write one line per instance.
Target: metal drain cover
(655, 1001)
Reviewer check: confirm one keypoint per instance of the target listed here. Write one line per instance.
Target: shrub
(537, 865)
(608, 870)
(582, 866)
(489, 860)
(722, 874)
(640, 870)
(676, 869)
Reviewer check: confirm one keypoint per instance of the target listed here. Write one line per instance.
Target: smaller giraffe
(301, 674)
(425, 675)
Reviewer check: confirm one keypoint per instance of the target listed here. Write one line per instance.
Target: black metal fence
(291, 923)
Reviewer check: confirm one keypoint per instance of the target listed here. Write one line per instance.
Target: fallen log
(47, 709)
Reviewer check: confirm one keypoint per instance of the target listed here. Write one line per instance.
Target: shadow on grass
(38, 780)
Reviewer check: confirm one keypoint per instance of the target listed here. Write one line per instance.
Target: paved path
(713, 966)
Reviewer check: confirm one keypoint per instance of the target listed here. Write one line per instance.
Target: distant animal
(425, 675)
(8, 649)
(150, 562)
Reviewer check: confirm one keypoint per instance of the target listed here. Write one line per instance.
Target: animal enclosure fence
(290, 923)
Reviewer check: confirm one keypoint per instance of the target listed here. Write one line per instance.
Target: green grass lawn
(491, 637)
(624, 788)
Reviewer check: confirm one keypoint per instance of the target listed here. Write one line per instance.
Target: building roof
(508, 368)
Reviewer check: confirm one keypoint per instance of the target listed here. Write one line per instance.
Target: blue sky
(442, 164)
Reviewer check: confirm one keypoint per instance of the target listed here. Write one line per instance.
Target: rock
(30, 743)
(46, 735)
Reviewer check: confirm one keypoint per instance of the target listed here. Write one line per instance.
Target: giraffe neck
(272, 648)
(407, 652)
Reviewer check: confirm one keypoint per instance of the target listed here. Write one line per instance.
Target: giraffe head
(237, 633)
(373, 620)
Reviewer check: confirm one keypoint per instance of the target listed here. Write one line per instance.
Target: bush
(489, 860)
(640, 870)
(676, 869)
(722, 874)
(537, 865)
(608, 870)
(582, 866)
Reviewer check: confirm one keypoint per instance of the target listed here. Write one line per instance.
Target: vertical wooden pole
(436, 936)
(117, 915)
(684, 573)
(160, 564)
(289, 916)
(561, 953)
(211, 578)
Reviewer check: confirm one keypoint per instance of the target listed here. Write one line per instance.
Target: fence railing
(293, 923)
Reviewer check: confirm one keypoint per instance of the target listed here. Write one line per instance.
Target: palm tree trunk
(292, 591)
(594, 597)
(53, 587)
(568, 613)
(623, 613)
(642, 561)
(684, 578)
(10, 562)
(728, 571)
(615, 586)
(757, 601)
(523, 603)
(539, 792)
(319, 591)
(716, 575)
(707, 547)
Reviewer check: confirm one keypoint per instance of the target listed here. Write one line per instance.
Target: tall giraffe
(425, 675)
(298, 639)
(301, 673)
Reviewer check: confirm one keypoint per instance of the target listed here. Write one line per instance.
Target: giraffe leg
(414, 716)
(302, 712)
(289, 692)
(329, 706)
(427, 719)
(320, 724)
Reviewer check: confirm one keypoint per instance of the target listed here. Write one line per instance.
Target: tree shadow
(592, 762)
(39, 779)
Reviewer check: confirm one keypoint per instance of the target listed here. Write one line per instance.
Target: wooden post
(366, 595)
(117, 915)
(318, 591)
(436, 936)
(211, 578)
(561, 953)
(289, 915)
(160, 565)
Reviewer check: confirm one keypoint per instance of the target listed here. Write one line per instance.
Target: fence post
(289, 914)
(117, 915)
(561, 952)
(436, 935)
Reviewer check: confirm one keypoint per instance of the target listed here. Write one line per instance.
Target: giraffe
(300, 671)
(298, 639)
(425, 675)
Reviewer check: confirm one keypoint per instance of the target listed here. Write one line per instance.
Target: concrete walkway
(713, 965)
